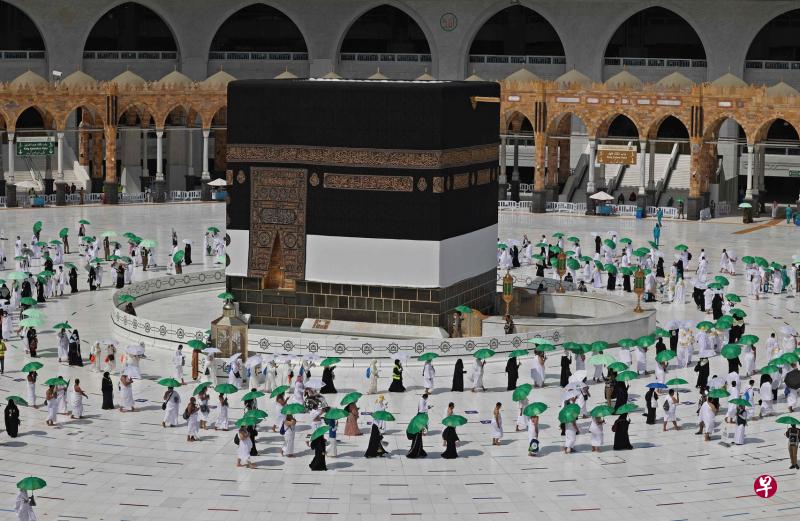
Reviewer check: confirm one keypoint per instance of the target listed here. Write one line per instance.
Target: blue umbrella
(656, 385)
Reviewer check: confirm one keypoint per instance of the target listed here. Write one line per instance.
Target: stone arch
(760, 49)
(651, 50)
(118, 7)
(142, 110)
(23, 24)
(712, 128)
(252, 12)
(45, 115)
(514, 121)
(93, 110)
(561, 123)
(515, 12)
(406, 10)
(761, 135)
(604, 125)
(655, 125)
(161, 116)
(210, 115)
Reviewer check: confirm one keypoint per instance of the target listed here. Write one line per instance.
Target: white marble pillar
(642, 166)
(205, 176)
(651, 181)
(60, 171)
(11, 153)
(159, 155)
(190, 153)
(145, 169)
(590, 183)
(750, 159)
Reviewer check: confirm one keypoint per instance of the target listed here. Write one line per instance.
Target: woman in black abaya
(512, 369)
(458, 377)
(375, 447)
(73, 280)
(651, 401)
(450, 439)
(107, 386)
(318, 463)
(621, 394)
(565, 371)
(397, 378)
(621, 439)
(12, 419)
(327, 381)
(74, 352)
(416, 450)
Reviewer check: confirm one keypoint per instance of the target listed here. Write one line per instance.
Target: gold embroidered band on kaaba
(364, 157)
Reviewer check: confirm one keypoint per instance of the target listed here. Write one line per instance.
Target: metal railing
(258, 56)
(655, 62)
(565, 207)
(97, 198)
(23, 55)
(130, 55)
(772, 65)
(667, 177)
(723, 209)
(517, 59)
(383, 57)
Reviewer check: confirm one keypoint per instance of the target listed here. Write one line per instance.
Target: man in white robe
(428, 375)
(178, 363)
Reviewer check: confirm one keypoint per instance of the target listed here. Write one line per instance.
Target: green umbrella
(748, 340)
(502, 245)
(27, 301)
(350, 398)
(677, 381)
(573, 264)
(197, 345)
(573, 239)
(611, 244)
(293, 408)
(129, 235)
(319, 432)
(70, 265)
(722, 280)
(731, 351)
(542, 244)
(537, 256)
(705, 325)
(178, 257)
(336, 414)
(33, 313)
(32, 366)
(126, 298)
(521, 392)
(767, 369)
(599, 265)
(200, 388)
(555, 249)
(761, 261)
(169, 382)
(573, 347)
(57, 381)
(424, 357)
(641, 252)
(227, 388)
(788, 420)
(718, 393)
(330, 361)
(585, 258)
(109, 233)
(645, 341)
(745, 205)
(113, 257)
(482, 354)
(37, 226)
(602, 410)
(681, 247)
(790, 358)
(248, 421)
(279, 390)
(544, 348)
(18, 400)
(534, 409)
(213, 229)
(626, 342)
(661, 332)
(62, 325)
(716, 286)
(518, 352)
(626, 408)
(31, 483)
(253, 395)
(55, 242)
(665, 356)
(599, 346)
(747, 259)
(86, 238)
(733, 297)
(611, 269)
(464, 309)
(625, 240)
(626, 376)
(723, 323)
(16, 275)
(383, 416)
(740, 401)
(256, 413)
(418, 423)
(84, 221)
(63, 232)
(602, 360)
(225, 296)
(618, 367)
(558, 235)
(569, 413)
(454, 420)
(97, 260)
(31, 322)
(148, 243)
(626, 270)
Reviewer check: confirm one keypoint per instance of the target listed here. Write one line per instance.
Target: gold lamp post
(638, 288)
(508, 290)
(561, 269)
(229, 332)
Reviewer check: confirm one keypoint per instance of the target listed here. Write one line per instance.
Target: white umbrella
(187, 241)
(673, 324)
(135, 350)
(211, 351)
(601, 196)
(314, 383)
(109, 342)
(399, 356)
(132, 371)
(234, 357)
(253, 361)
(577, 376)
(788, 330)
(311, 357)
(217, 182)
(27, 184)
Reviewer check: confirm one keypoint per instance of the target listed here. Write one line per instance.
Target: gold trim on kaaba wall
(382, 183)
(363, 157)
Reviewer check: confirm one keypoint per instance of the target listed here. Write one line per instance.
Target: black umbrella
(792, 379)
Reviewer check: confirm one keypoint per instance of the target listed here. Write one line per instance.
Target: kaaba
(364, 201)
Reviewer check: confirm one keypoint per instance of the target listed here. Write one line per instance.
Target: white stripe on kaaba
(238, 251)
(405, 263)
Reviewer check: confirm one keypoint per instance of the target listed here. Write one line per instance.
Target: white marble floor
(124, 466)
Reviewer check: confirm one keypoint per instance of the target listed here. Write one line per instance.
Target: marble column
(111, 181)
(11, 189)
(159, 186)
(205, 175)
(515, 172)
(61, 198)
(502, 181)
